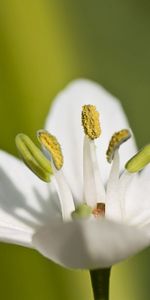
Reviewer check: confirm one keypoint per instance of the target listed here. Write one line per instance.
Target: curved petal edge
(89, 244)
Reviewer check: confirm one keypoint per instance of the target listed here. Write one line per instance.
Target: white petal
(89, 244)
(138, 199)
(94, 191)
(26, 202)
(64, 121)
(15, 236)
(124, 184)
(113, 207)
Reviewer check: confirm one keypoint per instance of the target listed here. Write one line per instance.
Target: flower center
(96, 200)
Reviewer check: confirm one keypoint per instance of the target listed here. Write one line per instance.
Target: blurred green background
(44, 45)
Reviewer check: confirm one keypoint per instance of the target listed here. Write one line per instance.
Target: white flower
(31, 210)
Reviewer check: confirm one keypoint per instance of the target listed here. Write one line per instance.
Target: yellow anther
(90, 121)
(50, 143)
(117, 139)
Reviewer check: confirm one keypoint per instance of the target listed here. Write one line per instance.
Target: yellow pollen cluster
(51, 144)
(117, 139)
(90, 121)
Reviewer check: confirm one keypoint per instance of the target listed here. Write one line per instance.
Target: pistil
(99, 211)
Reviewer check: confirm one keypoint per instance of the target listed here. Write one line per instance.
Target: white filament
(65, 195)
(94, 191)
(113, 208)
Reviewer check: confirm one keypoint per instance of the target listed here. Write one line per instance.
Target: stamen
(117, 139)
(90, 121)
(33, 157)
(51, 144)
(139, 161)
(99, 211)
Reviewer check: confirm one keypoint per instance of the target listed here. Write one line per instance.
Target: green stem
(100, 283)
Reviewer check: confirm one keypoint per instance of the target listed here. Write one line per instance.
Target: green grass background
(43, 45)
